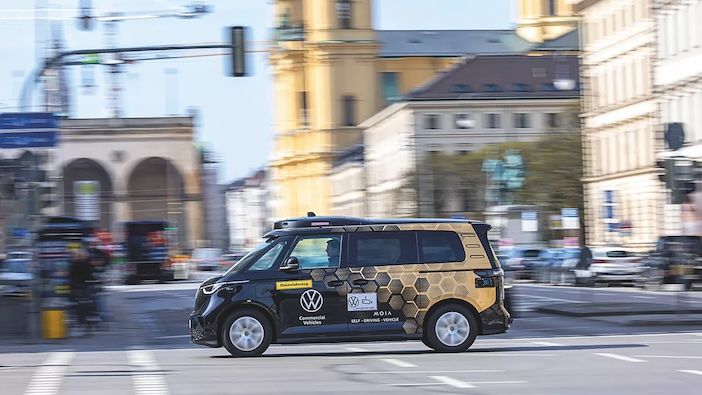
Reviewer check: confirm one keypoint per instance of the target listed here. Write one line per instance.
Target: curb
(612, 313)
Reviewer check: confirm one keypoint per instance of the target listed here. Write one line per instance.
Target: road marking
(619, 357)
(434, 371)
(356, 349)
(644, 297)
(548, 344)
(172, 337)
(398, 363)
(48, 377)
(452, 382)
(549, 298)
(697, 372)
(147, 378)
(412, 384)
(669, 356)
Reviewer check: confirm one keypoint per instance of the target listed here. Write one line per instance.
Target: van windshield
(250, 257)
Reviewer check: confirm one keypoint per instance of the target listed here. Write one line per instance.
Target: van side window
(439, 247)
(318, 251)
(382, 248)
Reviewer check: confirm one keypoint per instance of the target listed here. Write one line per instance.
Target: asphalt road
(147, 352)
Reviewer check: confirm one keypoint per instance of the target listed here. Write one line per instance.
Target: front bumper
(200, 334)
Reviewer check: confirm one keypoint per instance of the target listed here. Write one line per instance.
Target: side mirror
(291, 265)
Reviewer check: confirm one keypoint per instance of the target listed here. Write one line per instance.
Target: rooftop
(505, 76)
(449, 43)
(452, 43)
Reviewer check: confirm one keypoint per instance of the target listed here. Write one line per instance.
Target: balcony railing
(289, 33)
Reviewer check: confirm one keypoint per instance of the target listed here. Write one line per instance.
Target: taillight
(598, 261)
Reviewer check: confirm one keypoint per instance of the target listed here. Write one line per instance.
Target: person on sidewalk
(81, 280)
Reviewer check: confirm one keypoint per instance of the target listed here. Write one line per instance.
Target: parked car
(566, 271)
(207, 258)
(613, 265)
(16, 274)
(549, 261)
(676, 260)
(523, 261)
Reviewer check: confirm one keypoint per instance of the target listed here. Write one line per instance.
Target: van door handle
(335, 283)
(360, 281)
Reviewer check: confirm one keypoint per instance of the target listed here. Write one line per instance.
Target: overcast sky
(236, 113)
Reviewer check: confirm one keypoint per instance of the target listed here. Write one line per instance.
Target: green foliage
(553, 168)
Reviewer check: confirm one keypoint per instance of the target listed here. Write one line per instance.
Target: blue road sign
(28, 130)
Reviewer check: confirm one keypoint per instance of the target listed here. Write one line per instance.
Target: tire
(456, 340)
(249, 322)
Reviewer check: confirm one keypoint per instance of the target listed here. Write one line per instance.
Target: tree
(455, 184)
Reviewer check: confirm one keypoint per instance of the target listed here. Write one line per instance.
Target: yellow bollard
(53, 324)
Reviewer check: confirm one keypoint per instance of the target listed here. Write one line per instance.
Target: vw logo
(311, 301)
(353, 301)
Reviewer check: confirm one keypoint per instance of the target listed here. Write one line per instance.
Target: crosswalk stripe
(147, 378)
(48, 377)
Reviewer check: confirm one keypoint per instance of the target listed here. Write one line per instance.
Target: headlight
(212, 288)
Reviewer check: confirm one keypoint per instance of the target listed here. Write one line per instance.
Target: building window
(304, 111)
(464, 121)
(522, 120)
(552, 7)
(553, 120)
(349, 110)
(431, 122)
(343, 13)
(390, 91)
(492, 121)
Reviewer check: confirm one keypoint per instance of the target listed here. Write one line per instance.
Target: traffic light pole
(237, 47)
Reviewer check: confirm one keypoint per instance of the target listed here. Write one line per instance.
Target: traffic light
(47, 192)
(684, 180)
(237, 36)
(680, 177)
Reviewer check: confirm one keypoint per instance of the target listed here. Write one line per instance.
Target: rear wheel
(247, 333)
(451, 328)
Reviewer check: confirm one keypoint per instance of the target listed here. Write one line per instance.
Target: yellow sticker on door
(294, 284)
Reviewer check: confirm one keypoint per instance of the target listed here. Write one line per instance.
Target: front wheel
(247, 333)
(451, 328)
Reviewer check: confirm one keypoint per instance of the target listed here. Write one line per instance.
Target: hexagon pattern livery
(411, 290)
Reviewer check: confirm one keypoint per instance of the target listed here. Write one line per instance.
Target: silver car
(614, 265)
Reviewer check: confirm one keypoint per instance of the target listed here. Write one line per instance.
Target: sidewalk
(121, 333)
(630, 313)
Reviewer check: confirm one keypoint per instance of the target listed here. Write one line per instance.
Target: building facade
(487, 100)
(333, 70)
(348, 183)
(678, 88)
(214, 210)
(138, 169)
(623, 196)
(248, 210)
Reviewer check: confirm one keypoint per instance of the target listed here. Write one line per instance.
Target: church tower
(324, 59)
(542, 20)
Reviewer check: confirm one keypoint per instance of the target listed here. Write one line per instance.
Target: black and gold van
(326, 279)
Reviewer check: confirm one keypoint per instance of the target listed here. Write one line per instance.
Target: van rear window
(382, 248)
(440, 246)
